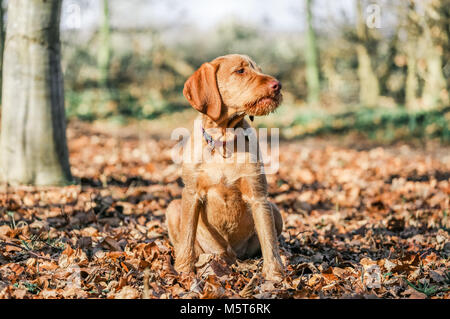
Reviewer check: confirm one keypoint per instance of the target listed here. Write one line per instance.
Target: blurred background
(377, 68)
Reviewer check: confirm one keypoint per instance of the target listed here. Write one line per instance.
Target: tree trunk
(2, 42)
(434, 90)
(435, 83)
(412, 80)
(33, 147)
(312, 68)
(104, 52)
(369, 88)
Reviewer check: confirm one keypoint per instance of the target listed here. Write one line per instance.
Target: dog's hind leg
(211, 241)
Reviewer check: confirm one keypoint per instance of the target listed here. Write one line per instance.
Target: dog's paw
(273, 273)
(274, 276)
(184, 266)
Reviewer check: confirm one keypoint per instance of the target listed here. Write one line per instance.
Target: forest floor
(360, 221)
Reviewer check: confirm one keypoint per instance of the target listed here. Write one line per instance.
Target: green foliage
(117, 105)
(381, 124)
(426, 288)
(31, 287)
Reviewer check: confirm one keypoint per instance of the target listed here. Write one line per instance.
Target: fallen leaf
(127, 292)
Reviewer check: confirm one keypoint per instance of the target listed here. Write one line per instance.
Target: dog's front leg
(265, 228)
(185, 255)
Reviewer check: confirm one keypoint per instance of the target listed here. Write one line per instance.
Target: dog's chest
(215, 171)
(226, 210)
(225, 175)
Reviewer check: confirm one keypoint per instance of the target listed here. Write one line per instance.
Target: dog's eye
(240, 71)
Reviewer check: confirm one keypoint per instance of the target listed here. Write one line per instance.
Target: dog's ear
(202, 92)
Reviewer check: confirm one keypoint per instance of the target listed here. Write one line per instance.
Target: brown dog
(224, 202)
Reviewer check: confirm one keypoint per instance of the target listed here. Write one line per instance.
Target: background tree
(2, 42)
(33, 147)
(104, 52)
(413, 33)
(312, 68)
(434, 38)
(369, 87)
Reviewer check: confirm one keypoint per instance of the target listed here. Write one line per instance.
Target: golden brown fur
(224, 208)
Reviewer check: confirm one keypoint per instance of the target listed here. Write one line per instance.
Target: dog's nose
(275, 85)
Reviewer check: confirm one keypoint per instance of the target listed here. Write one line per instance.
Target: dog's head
(232, 84)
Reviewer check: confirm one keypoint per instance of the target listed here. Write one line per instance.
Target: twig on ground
(5, 243)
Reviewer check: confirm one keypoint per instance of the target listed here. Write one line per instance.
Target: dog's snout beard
(264, 105)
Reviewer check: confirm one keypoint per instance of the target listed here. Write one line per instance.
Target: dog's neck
(217, 134)
(232, 121)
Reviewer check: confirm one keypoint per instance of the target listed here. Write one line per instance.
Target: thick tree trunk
(33, 146)
(434, 90)
(104, 52)
(2, 42)
(435, 84)
(312, 68)
(369, 88)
